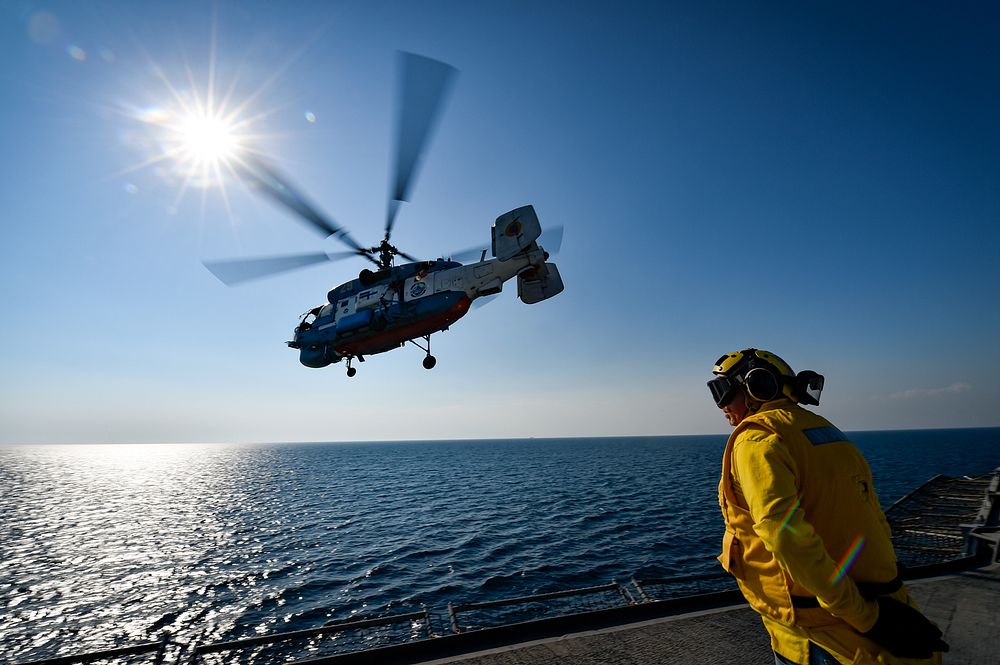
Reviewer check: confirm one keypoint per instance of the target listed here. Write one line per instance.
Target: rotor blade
(423, 87)
(268, 182)
(407, 256)
(235, 271)
(551, 239)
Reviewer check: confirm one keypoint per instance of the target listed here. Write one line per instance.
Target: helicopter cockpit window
(307, 320)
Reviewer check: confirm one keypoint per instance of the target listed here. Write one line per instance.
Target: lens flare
(788, 517)
(848, 559)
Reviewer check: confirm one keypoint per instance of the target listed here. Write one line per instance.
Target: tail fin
(514, 231)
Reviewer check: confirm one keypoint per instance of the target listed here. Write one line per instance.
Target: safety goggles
(723, 390)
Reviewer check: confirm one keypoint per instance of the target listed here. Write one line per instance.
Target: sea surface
(104, 545)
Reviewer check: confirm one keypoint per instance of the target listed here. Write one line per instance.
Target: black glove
(903, 631)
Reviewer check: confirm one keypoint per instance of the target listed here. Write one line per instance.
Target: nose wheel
(429, 361)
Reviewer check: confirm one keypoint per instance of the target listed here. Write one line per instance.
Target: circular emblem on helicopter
(418, 289)
(513, 229)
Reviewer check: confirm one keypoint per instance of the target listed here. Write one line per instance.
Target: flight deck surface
(966, 606)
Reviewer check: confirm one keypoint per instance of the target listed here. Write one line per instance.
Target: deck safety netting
(930, 524)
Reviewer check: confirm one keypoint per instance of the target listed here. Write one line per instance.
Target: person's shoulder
(805, 418)
(754, 432)
(771, 415)
(786, 412)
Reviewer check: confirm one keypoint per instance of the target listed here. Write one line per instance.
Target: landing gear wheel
(351, 371)
(429, 360)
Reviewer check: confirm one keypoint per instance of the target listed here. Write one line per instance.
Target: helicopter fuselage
(381, 311)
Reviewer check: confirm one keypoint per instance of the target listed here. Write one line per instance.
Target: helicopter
(395, 304)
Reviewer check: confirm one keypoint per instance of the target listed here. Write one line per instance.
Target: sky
(821, 180)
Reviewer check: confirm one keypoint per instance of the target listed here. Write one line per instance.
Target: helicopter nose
(314, 356)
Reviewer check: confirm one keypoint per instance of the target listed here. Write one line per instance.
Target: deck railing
(538, 606)
(325, 640)
(665, 588)
(154, 650)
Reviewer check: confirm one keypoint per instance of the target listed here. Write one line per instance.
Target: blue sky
(820, 180)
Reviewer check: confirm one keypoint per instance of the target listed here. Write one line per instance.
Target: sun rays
(198, 130)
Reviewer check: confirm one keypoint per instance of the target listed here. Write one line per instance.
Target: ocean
(104, 545)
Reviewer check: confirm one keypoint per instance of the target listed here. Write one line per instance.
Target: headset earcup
(761, 384)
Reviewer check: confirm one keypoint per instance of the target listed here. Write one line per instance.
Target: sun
(207, 141)
(195, 135)
(202, 127)
(201, 144)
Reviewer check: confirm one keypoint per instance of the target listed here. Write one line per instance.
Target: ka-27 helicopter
(385, 308)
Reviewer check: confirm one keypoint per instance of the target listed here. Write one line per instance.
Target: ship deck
(966, 606)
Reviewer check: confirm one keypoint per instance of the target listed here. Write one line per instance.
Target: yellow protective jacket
(802, 519)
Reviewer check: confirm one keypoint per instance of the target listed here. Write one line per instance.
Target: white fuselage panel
(473, 279)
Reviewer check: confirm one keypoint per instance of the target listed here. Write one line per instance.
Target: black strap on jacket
(869, 590)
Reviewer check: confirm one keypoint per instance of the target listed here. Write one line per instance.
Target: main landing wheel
(429, 362)
(351, 371)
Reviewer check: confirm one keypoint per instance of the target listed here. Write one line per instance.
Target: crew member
(805, 536)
